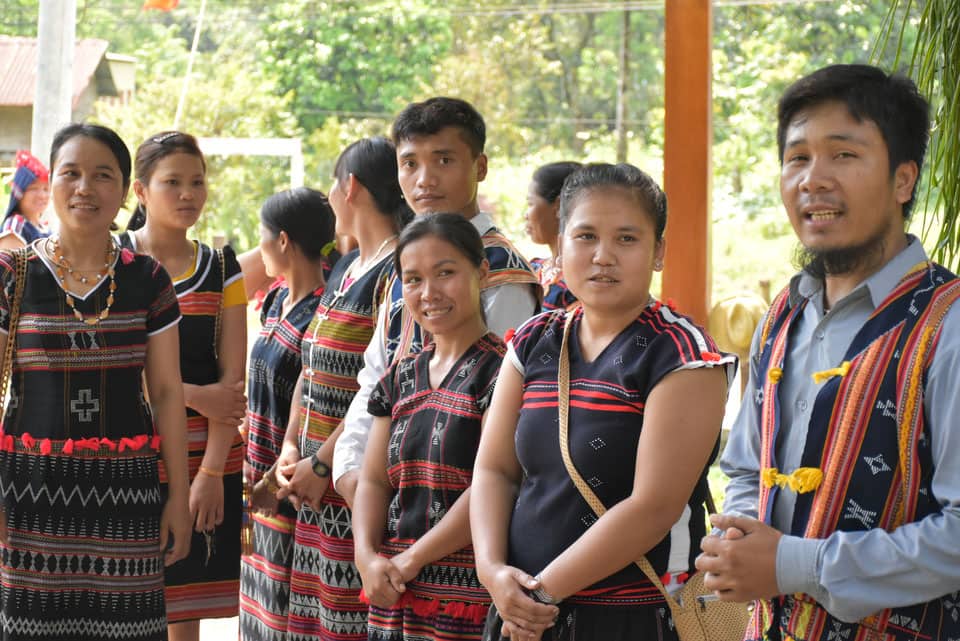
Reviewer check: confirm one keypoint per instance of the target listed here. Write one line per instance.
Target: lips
(603, 278)
(83, 205)
(821, 212)
(434, 312)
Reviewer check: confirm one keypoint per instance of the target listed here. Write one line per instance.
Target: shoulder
(677, 337)
(12, 224)
(545, 325)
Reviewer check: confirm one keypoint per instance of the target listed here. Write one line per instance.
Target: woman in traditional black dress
(634, 435)
(171, 189)
(410, 516)
(85, 525)
(295, 229)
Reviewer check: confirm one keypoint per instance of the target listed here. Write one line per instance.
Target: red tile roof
(18, 68)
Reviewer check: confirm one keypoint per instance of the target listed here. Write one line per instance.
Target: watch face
(321, 469)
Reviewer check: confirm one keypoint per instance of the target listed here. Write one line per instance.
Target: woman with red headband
(23, 223)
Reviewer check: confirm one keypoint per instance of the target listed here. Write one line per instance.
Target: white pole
(53, 96)
(193, 54)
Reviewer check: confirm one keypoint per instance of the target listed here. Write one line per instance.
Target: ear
(139, 189)
(284, 240)
(659, 251)
(904, 178)
(484, 270)
(351, 188)
(481, 167)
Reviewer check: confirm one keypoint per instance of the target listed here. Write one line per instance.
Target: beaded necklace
(64, 267)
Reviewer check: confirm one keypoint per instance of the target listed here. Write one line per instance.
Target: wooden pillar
(688, 138)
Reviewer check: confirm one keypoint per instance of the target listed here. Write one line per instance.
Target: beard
(843, 260)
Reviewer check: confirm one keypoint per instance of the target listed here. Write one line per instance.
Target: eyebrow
(434, 152)
(833, 137)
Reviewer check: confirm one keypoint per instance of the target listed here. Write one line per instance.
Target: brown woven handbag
(696, 615)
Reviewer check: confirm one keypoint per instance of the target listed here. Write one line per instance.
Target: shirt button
(308, 372)
(820, 334)
(802, 405)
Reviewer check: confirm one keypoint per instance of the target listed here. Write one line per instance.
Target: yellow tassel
(827, 374)
(774, 374)
(801, 480)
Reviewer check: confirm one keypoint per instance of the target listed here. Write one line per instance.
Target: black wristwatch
(320, 468)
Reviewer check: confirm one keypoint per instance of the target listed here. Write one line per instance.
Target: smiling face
(175, 192)
(609, 250)
(87, 186)
(441, 287)
(845, 206)
(35, 199)
(541, 215)
(439, 173)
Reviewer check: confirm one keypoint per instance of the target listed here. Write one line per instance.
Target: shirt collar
(483, 222)
(878, 285)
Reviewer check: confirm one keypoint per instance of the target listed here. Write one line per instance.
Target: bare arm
(206, 492)
(254, 272)
(162, 373)
(10, 241)
(496, 479)
(381, 579)
(675, 444)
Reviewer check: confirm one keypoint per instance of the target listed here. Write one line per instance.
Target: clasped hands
(741, 563)
(524, 618)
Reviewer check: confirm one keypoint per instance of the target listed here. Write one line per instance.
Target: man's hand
(741, 565)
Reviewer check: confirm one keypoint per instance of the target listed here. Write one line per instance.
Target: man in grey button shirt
(845, 444)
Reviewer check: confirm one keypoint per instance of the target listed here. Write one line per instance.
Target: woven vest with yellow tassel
(866, 462)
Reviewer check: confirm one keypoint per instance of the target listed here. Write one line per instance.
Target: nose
(428, 290)
(603, 253)
(425, 176)
(815, 176)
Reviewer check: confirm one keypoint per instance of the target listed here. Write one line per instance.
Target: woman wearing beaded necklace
(85, 531)
(324, 585)
(171, 190)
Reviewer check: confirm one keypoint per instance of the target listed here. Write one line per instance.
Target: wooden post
(688, 138)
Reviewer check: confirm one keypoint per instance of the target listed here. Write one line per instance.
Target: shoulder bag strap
(20, 278)
(563, 405)
(219, 319)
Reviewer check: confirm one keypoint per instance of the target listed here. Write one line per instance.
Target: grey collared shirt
(855, 574)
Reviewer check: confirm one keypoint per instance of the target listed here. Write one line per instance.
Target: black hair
(452, 228)
(548, 179)
(623, 176)
(891, 101)
(373, 162)
(430, 116)
(305, 214)
(150, 153)
(102, 135)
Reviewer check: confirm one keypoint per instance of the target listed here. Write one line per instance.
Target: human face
(441, 287)
(35, 199)
(838, 191)
(87, 186)
(439, 173)
(609, 251)
(542, 222)
(272, 251)
(176, 191)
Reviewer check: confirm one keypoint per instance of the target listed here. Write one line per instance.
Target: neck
(554, 249)
(604, 324)
(163, 243)
(33, 218)
(838, 286)
(451, 346)
(372, 234)
(85, 251)
(303, 277)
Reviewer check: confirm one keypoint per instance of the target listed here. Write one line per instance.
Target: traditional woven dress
(324, 584)
(434, 436)
(275, 364)
(206, 584)
(607, 400)
(556, 294)
(78, 459)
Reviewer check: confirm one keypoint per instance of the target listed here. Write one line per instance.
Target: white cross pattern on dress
(85, 405)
